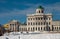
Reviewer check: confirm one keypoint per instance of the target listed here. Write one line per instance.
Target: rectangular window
(49, 23)
(44, 23)
(28, 18)
(28, 23)
(33, 29)
(41, 18)
(55, 28)
(31, 18)
(59, 28)
(38, 18)
(41, 28)
(31, 23)
(38, 23)
(49, 18)
(44, 18)
(38, 28)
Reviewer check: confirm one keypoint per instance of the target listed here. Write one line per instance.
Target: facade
(13, 26)
(56, 26)
(38, 21)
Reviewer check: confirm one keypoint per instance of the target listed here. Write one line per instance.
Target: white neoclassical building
(39, 22)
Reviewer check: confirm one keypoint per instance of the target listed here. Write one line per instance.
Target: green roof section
(40, 7)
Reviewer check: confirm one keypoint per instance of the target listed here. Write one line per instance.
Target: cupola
(40, 9)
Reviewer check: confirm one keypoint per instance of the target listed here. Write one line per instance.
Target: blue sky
(17, 9)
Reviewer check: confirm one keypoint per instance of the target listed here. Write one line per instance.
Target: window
(28, 18)
(41, 28)
(41, 18)
(31, 23)
(42, 11)
(59, 28)
(38, 28)
(36, 18)
(28, 23)
(38, 23)
(33, 29)
(55, 28)
(31, 18)
(39, 11)
(49, 23)
(44, 18)
(11, 24)
(28, 28)
(44, 23)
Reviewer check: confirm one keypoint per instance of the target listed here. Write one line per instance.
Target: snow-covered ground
(32, 36)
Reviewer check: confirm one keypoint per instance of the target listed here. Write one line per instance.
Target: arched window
(39, 11)
(42, 11)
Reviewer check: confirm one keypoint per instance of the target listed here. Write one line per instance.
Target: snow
(32, 36)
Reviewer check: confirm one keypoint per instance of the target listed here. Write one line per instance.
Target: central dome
(40, 9)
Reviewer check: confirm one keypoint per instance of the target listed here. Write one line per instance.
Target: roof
(40, 7)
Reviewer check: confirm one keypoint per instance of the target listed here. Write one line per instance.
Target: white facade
(39, 22)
